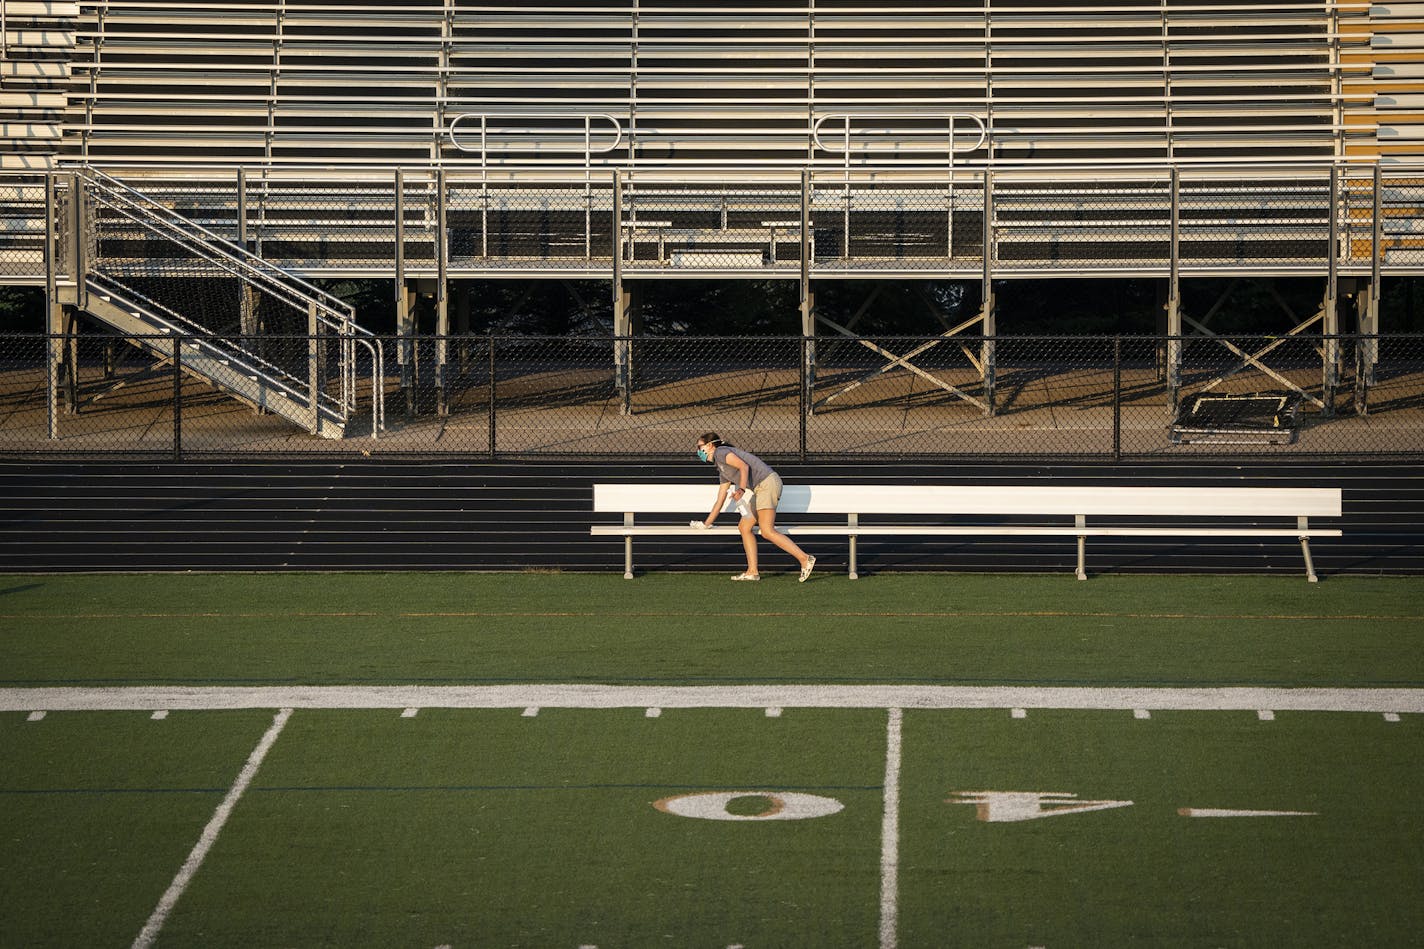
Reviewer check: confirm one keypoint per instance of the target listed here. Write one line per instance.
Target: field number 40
(994, 807)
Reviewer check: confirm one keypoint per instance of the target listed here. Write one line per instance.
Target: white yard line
(145, 698)
(210, 834)
(890, 835)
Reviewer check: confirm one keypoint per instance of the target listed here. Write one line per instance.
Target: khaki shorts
(768, 493)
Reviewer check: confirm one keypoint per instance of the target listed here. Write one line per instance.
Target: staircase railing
(187, 333)
(111, 216)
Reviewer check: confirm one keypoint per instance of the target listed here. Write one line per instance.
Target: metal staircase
(230, 318)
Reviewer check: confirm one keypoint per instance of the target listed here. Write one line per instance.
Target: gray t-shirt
(757, 470)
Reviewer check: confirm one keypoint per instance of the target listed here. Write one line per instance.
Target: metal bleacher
(433, 140)
(522, 128)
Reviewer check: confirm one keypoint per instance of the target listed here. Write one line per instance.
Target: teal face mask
(702, 453)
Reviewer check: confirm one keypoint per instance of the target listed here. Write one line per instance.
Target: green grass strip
(687, 630)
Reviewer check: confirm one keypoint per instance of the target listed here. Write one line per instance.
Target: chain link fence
(23, 225)
(888, 398)
(1401, 214)
(427, 222)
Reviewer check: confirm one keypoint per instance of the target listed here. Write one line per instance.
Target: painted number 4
(999, 807)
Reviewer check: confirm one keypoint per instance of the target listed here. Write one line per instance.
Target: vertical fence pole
(491, 383)
(1117, 398)
(177, 398)
(53, 309)
(803, 408)
(242, 208)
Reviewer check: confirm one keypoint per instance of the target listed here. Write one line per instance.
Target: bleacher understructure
(151, 148)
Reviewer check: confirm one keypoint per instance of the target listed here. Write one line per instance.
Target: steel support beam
(406, 356)
(54, 310)
(622, 309)
(1367, 311)
(807, 298)
(1330, 305)
(442, 295)
(988, 303)
(1172, 302)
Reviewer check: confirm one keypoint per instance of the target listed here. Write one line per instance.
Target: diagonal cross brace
(902, 360)
(1254, 359)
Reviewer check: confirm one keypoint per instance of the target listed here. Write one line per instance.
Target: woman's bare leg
(748, 543)
(766, 517)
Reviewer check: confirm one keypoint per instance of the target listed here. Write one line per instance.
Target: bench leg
(1082, 545)
(853, 573)
(627, 558)
(1309, 564)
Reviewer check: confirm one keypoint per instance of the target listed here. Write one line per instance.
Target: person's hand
(737, 494)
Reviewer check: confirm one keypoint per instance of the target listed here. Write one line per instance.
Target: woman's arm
(717, 508)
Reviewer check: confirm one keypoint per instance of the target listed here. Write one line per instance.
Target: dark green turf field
(547, 760)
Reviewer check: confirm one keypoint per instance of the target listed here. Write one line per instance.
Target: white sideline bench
(1154, 512)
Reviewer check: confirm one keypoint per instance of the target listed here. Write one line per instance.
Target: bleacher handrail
(949, 118)
(327, 310)
(588, 150)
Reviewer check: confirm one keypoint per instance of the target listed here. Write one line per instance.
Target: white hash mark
(1229, 812)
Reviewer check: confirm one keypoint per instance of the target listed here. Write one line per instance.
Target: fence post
(804, 395)
(1117, 398)
(177, 398)
(490, 349)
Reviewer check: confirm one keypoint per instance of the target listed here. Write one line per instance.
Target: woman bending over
(740, 471)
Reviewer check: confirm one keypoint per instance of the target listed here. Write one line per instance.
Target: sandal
(806, 570)
(747, 576)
